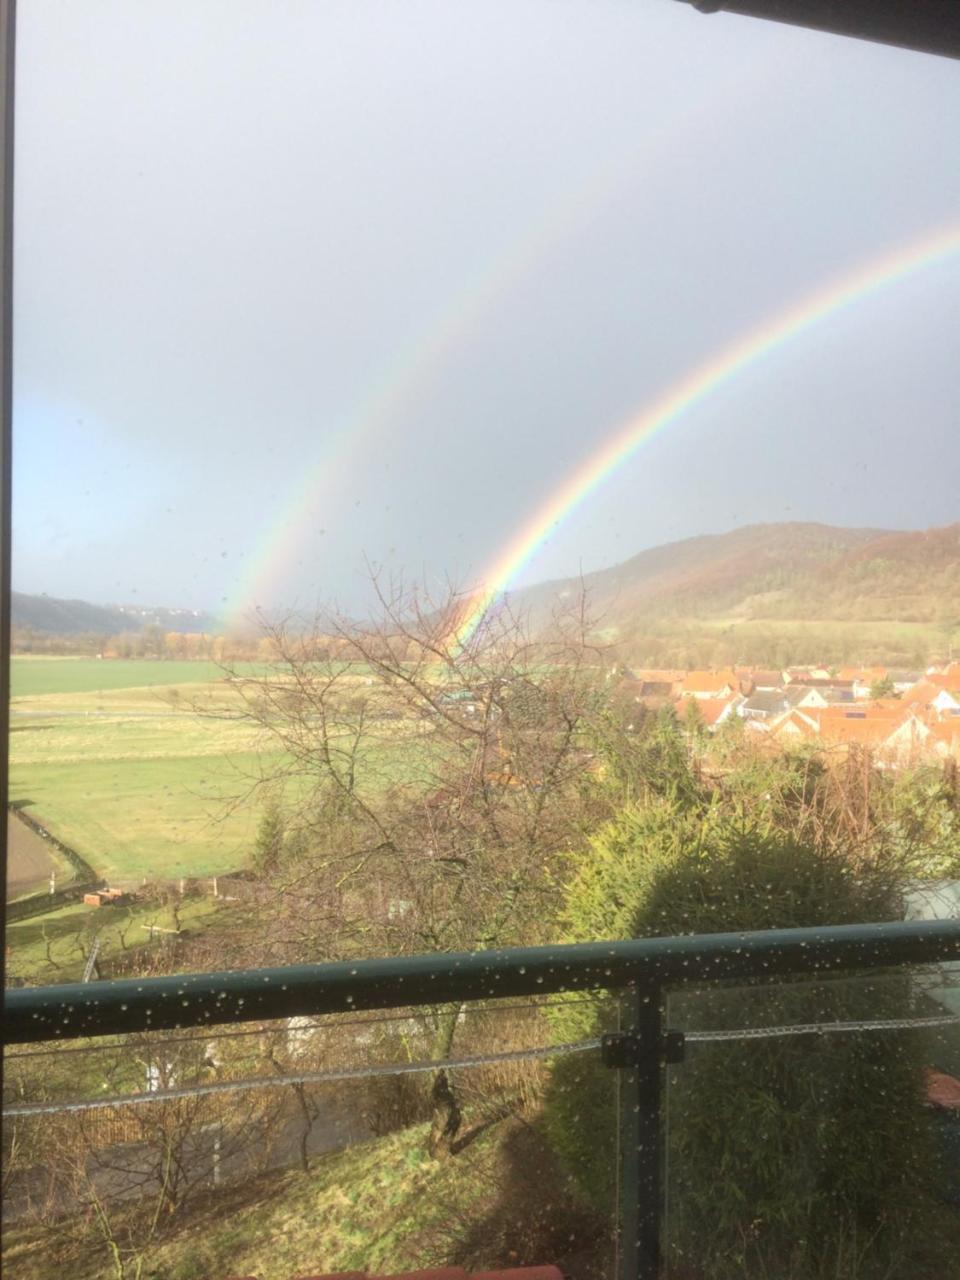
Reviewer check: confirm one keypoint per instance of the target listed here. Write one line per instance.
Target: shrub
(782, 1152)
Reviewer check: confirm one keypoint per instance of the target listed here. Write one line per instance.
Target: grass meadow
(41, 675)
(126, 773)
(129, 776)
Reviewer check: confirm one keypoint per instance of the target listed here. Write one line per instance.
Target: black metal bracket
(623, 1049)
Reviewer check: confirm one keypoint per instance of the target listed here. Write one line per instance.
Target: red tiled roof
(942, 1090)
(871, 731)
(948, 733)
(888, 712)
(708, 681)
(949, 681)
(662, 675)
(711, 709)
(923, 691)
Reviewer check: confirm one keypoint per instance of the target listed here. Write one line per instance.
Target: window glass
(485, 475)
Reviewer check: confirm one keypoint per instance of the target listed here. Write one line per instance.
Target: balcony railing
(642, 970)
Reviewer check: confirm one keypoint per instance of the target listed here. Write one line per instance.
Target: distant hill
(76, 617)
(896, 594)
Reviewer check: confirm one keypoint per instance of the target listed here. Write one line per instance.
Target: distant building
(709, 684)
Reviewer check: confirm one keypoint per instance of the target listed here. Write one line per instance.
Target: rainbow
(622, 443)
(415, 366)
(418, 361)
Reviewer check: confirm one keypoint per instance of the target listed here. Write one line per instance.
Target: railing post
(638, 1051)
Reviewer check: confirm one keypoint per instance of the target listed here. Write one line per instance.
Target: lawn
(135, 781)
(158, 816)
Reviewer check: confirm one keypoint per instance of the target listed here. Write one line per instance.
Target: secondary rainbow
(420, 359)
(623, 442)
(416, 365)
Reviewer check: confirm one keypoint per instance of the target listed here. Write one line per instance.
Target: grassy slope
(71, 930)
(382, 1206)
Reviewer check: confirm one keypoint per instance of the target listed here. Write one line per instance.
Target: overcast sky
(300, 282)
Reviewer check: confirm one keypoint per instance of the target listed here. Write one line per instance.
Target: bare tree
(430, 780)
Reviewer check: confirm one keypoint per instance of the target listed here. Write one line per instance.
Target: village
(901, 717)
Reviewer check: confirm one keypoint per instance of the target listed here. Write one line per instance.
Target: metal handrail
(642, 968)
(74, 1010)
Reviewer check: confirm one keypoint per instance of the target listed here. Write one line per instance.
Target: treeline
(151, 641)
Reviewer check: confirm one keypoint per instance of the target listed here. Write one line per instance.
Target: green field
(88, 675)
(123, 771)
(138, 783)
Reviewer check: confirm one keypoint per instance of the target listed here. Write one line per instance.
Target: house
(946, 703)
(868, 726)
(945, 682)
(714, 711)
(709, 684)
(648, 693)
(810, 680)
(802, 695)
(794, 726)
(908, 739)
(944, 740)
(764, 681)
(867, 679)
(903, 680)
(764, 704)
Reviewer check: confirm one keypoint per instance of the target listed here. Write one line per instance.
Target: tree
(428, 784)
(127, 1174)
(883, 688)
(268, 846)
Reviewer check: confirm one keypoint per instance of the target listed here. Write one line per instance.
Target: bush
(783, 1153)
(396, 1102)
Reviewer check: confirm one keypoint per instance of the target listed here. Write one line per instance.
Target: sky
(307, 286)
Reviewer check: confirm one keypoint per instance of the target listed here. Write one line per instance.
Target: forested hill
(763, 579)
(76, 617)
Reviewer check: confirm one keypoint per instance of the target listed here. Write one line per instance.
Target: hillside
(76, 617)
(379, 1206)
(816, 590)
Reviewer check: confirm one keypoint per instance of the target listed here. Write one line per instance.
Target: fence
(641, 968)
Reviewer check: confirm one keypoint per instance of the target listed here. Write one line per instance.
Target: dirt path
(29, 860)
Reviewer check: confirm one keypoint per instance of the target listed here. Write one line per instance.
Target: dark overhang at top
(930, 26)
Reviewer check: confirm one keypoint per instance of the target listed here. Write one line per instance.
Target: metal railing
(643, 968)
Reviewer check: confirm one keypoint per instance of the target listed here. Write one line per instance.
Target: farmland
(31, 861)
(31, 676)
(119, 765)
(127, 774)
